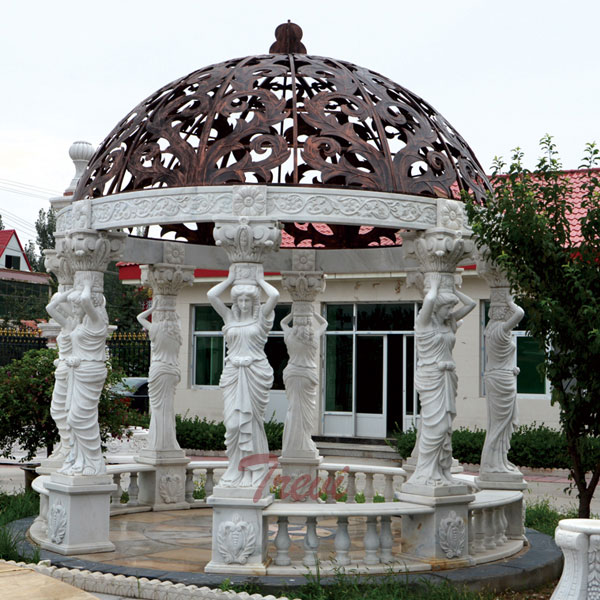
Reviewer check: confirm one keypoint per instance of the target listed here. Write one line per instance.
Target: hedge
(534, 446)
(200, 434)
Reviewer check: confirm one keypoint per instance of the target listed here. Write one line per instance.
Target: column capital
(59, 265)
(167, 279)
(303, 286)
(438, 249)
(89, 249)
(489, 270)
(247, 240)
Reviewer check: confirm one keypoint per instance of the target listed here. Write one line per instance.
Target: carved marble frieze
(290, 204)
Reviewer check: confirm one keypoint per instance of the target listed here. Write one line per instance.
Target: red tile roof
(27, 276)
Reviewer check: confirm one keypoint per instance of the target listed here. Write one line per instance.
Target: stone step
(357, 450)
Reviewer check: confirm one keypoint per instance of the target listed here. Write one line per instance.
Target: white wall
(13, 249)
(471, 406)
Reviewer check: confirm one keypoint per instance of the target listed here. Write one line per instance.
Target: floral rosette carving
(236, 540)
(452, 535)
(250, 201)
(57, 523)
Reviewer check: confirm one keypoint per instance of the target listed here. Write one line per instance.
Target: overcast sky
(503, 73)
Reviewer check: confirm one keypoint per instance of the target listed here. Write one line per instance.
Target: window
(529, 357)
(209, 347)
(369, 361)
(13, 262)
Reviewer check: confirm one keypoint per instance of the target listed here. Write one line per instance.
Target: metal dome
(285, 118)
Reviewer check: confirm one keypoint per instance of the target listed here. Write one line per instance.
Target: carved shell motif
(452, 534)
(170, 488)
(236, 540)
(57, 523)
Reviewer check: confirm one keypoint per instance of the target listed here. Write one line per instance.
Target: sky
(503, 73)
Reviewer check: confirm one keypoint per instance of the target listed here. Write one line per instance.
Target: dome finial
(288, 36)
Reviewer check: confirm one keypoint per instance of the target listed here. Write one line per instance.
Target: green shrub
(26, 393)
(544, 518)
(201, 434)
(534, 446)
(12, 508)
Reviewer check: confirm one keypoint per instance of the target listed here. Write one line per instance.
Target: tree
(26, 393)
(1, 223)
(530, 228)
(123, 302)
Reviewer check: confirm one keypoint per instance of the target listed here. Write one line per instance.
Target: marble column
(442, 534)
(496, 472)
(79, 492)
(239, 528)
(164, 488)
(300, 457)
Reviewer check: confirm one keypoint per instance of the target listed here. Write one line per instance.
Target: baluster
(497, 520)
(116, 494)
(369, 490)
(371, 541)
(478, 545)
(471, 531)
(386, 539)
(388, 492)
(351, 489)
(342, 542)
(503, 524)
(489, 532)
(282, 542)
(133, 490)
(311, 542)
(189, 486)
(210, 482)
(330, 486)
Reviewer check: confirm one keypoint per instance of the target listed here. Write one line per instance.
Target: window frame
(218, 333)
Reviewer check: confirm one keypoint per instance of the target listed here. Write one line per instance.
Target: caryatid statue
(247, 375)
(81, 312)
(436, 381)
(164, 331)
(301, 376)
(62, 317)
(500, 376)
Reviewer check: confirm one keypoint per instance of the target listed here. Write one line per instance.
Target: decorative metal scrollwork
(292, 119)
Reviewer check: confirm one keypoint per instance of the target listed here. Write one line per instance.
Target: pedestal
(79, 514)
(299, 477)
(442, 535)
(163, 488)
(240, 531)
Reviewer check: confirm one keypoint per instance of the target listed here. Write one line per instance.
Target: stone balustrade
(125, 477)
(495, 525)
(208, 469)
(375, 555)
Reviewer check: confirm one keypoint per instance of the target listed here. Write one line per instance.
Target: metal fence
(130, 352)
(15, 342)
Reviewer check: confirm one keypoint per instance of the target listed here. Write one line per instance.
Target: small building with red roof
(19, 283)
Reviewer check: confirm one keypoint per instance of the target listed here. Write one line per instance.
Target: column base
(78, 514)
(441, 535)
(299, 476)
(163, 488)
(240, 531)
(501, 481)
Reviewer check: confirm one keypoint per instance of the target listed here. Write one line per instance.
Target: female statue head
(246, 301)
(443, 305)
